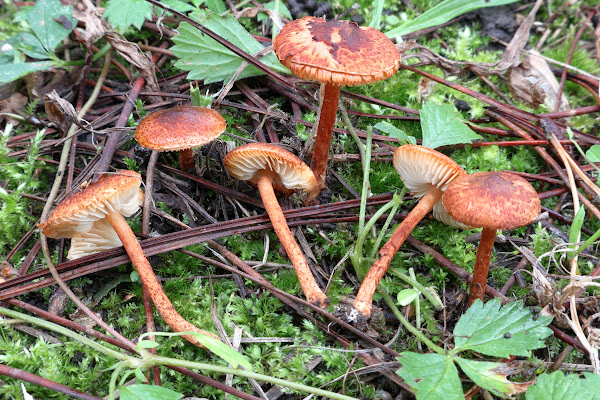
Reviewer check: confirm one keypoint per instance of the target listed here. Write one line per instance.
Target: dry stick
(544, 154)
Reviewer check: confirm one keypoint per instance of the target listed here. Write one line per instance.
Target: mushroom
(426, 173)
(180, 128)
(334, 53)
(104, 204)
(492, 201)
(271, 168)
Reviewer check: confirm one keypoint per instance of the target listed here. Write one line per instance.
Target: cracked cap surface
(336, 52)
(494, 200)
(119, 191)
(293, 174)
(179, 128)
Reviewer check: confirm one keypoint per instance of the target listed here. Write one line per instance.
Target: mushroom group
(94, 219)
(336, 54)
(492, 201)
(271, 168)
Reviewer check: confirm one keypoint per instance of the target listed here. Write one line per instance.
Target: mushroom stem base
(142, 266)
(364, 297)
(482, 265)
(309, 286)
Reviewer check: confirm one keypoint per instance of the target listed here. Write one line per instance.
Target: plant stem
(413, 282)
(365, 188)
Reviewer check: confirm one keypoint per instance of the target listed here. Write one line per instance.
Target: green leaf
(207, 60)
(123, 13)
(593, 153)
(148, 392)
(555, 386)
(443, 13)
(490, 376)
(228, 354)
(10, 72)
(432, 376)
(30, 45)
(442, 126)
(406, 296)
(591, 384)
(500, 331)
(217, 6)
(576, 229)
(51, 22)
(146, 344)
(394, 132)
(282, 10)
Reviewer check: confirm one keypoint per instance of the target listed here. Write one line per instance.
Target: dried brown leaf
(13, 105)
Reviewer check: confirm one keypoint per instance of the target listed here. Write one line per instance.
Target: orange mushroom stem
(331, 98)
(309, 286)
(482, 265)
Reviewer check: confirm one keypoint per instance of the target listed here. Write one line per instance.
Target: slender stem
(482, 265)
(367, 289)
(142, 266)
(424, 291)
(359, 144)
(311, 290)
(329, 107)
(366, 185)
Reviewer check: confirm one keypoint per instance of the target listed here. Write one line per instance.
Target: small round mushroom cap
(336, 52)
(293, 174)
(493, 200)
(119, 191)
(420, 168)
(179, 128)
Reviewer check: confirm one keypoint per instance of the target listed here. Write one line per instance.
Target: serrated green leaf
(500, 331)
(593, 153)
(432, 376)
(30, 45)
(591, 384)
(217, 6)
(394, 132)
(490, 376)
(443, 13)
(556, 386)
(45, 18)
(10, 72)
(442, 126)
(148, 392)
(123, 13)
(207, 60)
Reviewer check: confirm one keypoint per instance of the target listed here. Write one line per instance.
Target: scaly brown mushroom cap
(76, 214)
(493, 200)
(421, 168)
(293, 174)
(336, 52)
(179, 128)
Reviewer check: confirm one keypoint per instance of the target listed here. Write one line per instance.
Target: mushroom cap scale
(292, 174)
(340, 53)
(493, 200)
(179, 128)
(76, 214)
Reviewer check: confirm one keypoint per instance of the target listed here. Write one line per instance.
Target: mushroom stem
(364, 297)
(309, 286)
(186, 159)
(331, 98)
(144, 270)
(482, 265)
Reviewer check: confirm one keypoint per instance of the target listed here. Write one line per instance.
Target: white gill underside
(419, 173)
(246, 169)
(101, 237)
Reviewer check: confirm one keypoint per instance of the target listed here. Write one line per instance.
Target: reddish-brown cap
(336, 52)
(179, 128)
(119, 191)
(494, 200)
(293, 174)
(420, 168)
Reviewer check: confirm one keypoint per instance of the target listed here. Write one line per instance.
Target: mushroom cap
(179, 128)
(336, 52)
(420, 168)
(493, 200)
(293, 174)
(119, 191)
(101, 237)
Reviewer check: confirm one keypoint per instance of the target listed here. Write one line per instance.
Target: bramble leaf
(442, 126)
(207, 60)
(491, 376)
(148, 392)
(395, 132)
(50, 22)
(123, 13)
(432, 376)
(558, 386)
(593, 153)
(500, 331)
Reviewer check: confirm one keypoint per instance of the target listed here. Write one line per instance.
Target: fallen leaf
(14, 104)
